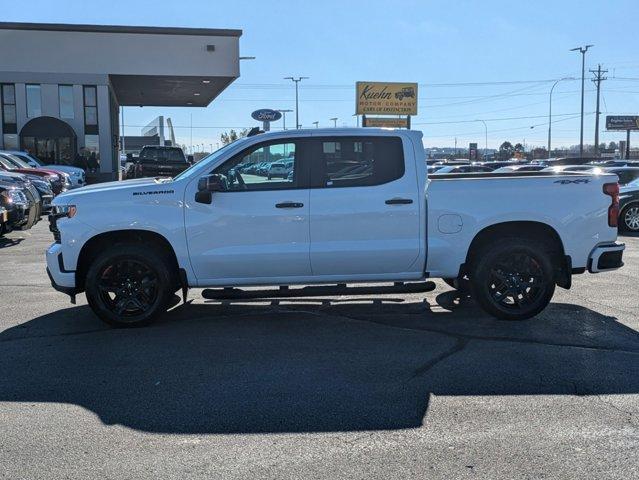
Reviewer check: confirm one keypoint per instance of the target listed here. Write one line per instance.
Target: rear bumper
(606, 257)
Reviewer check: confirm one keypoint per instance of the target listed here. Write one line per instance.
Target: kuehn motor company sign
(384, 98)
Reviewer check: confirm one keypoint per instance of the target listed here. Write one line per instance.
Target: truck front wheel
(513, 279)
(129, 285)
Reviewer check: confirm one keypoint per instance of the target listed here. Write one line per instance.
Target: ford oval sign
(266, 115)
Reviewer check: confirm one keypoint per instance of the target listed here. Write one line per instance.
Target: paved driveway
(415, 386)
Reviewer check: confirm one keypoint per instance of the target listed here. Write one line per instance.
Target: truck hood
(111, 188)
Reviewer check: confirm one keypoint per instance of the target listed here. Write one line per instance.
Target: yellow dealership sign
(383, 98)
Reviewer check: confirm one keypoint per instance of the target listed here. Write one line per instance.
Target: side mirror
(206, 186)
(211, 183)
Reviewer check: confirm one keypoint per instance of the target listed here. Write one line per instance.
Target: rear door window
(356, 161)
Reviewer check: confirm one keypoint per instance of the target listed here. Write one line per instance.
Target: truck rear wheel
(513, 279)
(129, 285)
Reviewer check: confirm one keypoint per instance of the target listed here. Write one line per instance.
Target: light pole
(284, 112)
(334, 120)
(583, 51)
(297, 105)
(550, 110)
(485, 144)
(316, 124)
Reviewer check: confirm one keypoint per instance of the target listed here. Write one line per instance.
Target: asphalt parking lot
(408, 386)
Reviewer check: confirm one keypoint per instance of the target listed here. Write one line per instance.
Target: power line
(498, 119)
(448, 84)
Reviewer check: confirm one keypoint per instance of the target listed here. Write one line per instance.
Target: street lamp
(284, 112)
(334, 120)
(316, 124)
(583, 51)
(550, 110)
(485, 144)
(297, 105)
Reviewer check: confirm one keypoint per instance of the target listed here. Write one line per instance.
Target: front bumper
(61, 279)
(606, 257)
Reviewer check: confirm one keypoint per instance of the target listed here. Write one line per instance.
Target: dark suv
(158, 161)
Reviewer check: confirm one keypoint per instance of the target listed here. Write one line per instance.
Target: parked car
(4, 220)
(629, 206)
(198, 230)
(462, 169)
(77, 176)
(279, 169)
(58, 180)
(160, 161)
(520, 168)
(34, 184)
(495, 164)
(626, 174)
(15, 203)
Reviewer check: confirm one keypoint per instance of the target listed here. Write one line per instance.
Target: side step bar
(231, 293)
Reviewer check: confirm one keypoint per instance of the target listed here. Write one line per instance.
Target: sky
(489, 60)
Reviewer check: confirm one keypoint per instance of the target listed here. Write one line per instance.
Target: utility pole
(334, 120)
(597, 81)
(297, 105)
(583, 51)
(316, 124)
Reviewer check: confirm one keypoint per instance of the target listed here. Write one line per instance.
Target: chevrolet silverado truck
(359, 208)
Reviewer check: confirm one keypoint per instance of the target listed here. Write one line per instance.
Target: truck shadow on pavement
(309, 366)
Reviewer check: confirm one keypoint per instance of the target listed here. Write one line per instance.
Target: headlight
(64, 211)
(15, 196)
(76, 174)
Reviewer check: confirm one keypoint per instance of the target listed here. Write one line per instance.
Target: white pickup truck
(357, 208)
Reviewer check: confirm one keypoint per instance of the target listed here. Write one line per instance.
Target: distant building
(62, 86)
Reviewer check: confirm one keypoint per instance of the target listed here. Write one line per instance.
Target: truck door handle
(289, 205)
(399, 201)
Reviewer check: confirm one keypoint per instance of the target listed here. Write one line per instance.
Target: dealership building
(62, 85)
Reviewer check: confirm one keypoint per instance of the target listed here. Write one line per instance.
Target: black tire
(462, 285)
(629, 218)
(513, 279)
(129, 285)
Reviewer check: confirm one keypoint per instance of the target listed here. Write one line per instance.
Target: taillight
(612, 189)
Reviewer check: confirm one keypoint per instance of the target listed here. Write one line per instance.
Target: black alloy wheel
(513, 279)
(516, 281)
(128, 287)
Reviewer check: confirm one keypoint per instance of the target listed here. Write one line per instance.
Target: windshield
(634, 183)
(162, 154)
(212, 157)
(18, 161)
(27, 158)
(4, 161)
